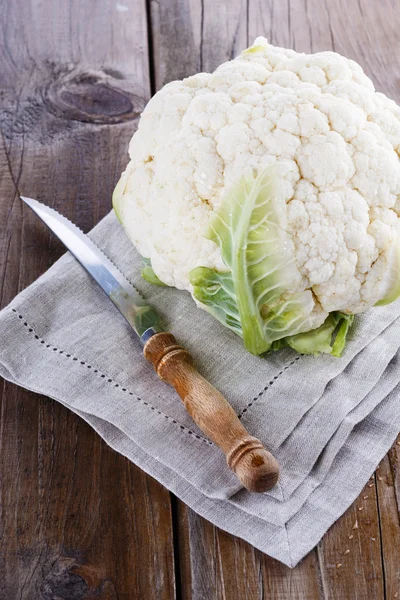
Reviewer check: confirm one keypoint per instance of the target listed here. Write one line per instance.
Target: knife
(253, 465)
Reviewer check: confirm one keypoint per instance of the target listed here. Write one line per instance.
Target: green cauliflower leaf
(254, 297)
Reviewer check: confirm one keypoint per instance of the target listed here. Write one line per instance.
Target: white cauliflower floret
(336, 142)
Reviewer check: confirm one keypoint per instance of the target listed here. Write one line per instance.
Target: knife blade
(253, 465)
(139, 314)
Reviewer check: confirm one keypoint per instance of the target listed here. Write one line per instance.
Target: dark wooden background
(78, 521)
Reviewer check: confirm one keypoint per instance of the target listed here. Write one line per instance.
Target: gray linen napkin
(329, 421)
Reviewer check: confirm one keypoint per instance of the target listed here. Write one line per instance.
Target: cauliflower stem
(149, 275)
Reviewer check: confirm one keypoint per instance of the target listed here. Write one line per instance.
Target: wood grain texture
(350, 555)
(387, 481)
(220, 566)
(195, 35)
(77, 521)
(217, 565)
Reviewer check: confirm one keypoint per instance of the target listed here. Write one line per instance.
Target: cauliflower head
(302, 137)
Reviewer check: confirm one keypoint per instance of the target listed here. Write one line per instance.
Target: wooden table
(78, 521)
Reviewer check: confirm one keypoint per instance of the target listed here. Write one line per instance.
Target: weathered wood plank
(191, 36)
(184, 43)
(364, 31)
(350, 553)
(76, 519)
(221, 566)
(388, 488)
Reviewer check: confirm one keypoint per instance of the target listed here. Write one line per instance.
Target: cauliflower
(270, 190)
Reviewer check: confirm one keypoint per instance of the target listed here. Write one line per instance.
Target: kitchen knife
(254, 466)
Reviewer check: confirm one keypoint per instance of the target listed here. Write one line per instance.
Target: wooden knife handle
(254, 466)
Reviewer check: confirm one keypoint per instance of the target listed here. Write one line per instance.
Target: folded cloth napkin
(328, 421)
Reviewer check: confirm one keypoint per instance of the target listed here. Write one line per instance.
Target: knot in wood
(64, 585)
(92, 99)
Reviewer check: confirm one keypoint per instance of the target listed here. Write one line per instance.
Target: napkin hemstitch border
(173, 420)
